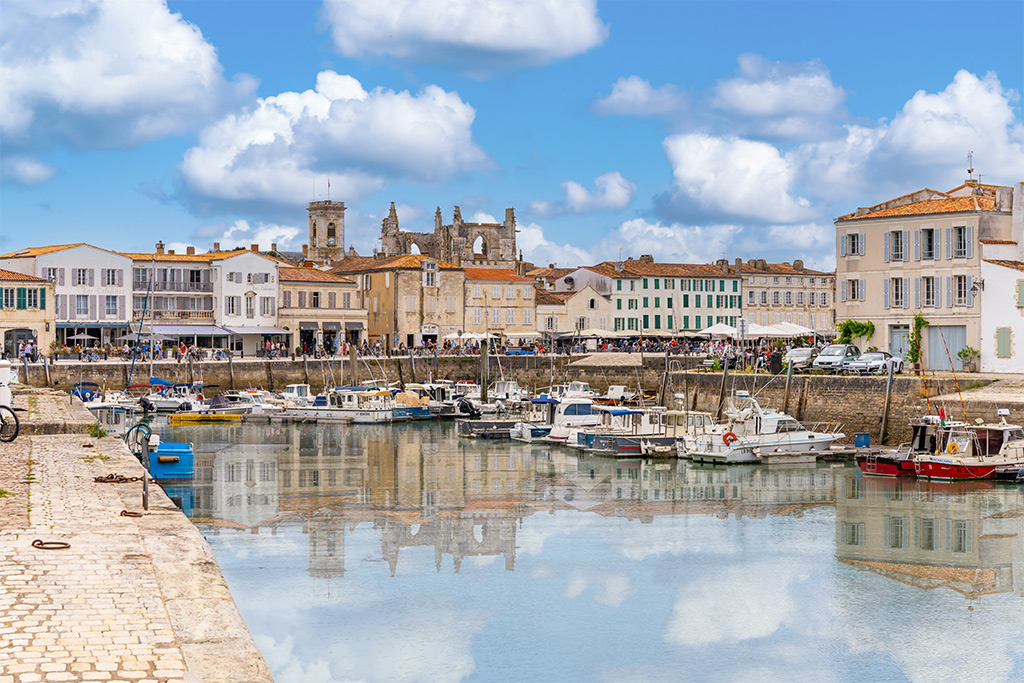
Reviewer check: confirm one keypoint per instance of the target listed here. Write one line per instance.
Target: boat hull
(885, 466)
(948, 469)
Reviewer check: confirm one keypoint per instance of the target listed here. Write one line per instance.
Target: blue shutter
(969, 240)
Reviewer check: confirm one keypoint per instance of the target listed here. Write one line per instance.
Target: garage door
(955, 337)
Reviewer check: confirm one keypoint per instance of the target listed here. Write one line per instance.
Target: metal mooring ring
(50, 545)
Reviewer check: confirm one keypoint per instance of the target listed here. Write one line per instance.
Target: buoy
(729, 438)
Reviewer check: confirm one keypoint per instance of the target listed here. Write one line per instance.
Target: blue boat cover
(621, 411)
(544, 399)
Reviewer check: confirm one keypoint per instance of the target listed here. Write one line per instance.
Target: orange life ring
(952, 447)
(200, 397)
(729, 438)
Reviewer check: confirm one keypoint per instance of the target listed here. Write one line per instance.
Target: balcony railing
(142, 286)
(170, 315)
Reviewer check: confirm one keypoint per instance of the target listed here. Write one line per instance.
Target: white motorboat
(298, 394)
(751, 432)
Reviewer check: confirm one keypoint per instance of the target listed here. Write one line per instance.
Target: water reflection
(401, 553)
(962, 535)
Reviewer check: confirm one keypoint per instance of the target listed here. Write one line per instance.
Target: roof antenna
(970, 165)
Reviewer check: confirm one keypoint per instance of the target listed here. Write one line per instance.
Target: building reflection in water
(962, 535)
(421, 487)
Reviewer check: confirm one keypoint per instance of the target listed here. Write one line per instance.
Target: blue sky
(688, 130)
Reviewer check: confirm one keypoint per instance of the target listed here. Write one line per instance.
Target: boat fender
(952, 447)
(729, 438)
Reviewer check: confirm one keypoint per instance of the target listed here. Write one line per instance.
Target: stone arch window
(593, 303)
(480, 246)
(331, 232)
(414, 248)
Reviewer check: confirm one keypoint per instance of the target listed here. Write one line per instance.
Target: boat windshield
(788, 424)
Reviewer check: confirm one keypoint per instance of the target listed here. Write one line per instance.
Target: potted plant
(969, 357)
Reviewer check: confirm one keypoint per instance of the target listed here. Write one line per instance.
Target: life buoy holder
(729, 438)
(952, 447)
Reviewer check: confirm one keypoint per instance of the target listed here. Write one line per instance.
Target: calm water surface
(402, 553)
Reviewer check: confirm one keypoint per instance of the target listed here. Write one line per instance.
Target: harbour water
(402, 553)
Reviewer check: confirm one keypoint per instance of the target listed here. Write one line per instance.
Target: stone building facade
(455, 243)
(326, 232)
(791, 293)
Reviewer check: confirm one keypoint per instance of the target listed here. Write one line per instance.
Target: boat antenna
(956, 382)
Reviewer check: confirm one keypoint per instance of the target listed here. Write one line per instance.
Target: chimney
(1004, 199)
(273, 246)
(619, 266)
(305, 248)
(254, 247)
(216, 246)
(646, 258)
(798, 264)
(160, 247)
(170, 251)
(190, 251)
(762, 264)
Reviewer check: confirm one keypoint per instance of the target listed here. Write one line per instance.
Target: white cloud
(482, 217)
(766, 88)
(358, 139)
(925, 145)
(98, 73)
(729, 608)
(732, 176)
(610, 589)
(241, 233)
(634, 95)
(540, 250)
(613, 193)
(25, 170)
(673, 243)
(472, 35)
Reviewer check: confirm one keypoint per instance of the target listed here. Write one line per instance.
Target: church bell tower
(326, 231)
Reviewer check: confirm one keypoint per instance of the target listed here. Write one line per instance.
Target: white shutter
(937, 242)
(860, 290)
(862, 241)
(906, 245)
(917, 245)
(906, 292)
(885, 293)
(842, 245)
(970, 294)
(949, 243)
(917, 292)
(969, 240)
(842, 290)
(937, 289)
(885, 247)
(949, 291)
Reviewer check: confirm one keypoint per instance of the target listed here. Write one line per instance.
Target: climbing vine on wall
(914, 343)
(854, 329)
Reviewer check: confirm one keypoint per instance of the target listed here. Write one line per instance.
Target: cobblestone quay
(131, 599)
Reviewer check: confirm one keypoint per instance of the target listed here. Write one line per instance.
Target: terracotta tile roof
(193, 258)
(608, 270)
(998, 241)
(494, 275)
(638, 268)
(936, 203)
(548, 273)
(39, 251)
(365, 264)
(311, 275)
(547, 297)
(13, 276)
(782, 269)
(1014, 265)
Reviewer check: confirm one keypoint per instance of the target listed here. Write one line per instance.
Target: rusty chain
(118, 479)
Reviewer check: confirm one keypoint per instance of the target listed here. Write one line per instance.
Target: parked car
(834, 356)
(874, 363)
(801, 358)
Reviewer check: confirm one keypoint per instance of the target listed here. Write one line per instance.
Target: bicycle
(9, 424)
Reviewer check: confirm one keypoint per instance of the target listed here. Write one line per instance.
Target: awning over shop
(353, 326)
(188, 330)
(332, 327)
(86, 324)
(308, 325)
(255, 330)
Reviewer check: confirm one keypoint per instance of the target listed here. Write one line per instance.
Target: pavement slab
(131, 598)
